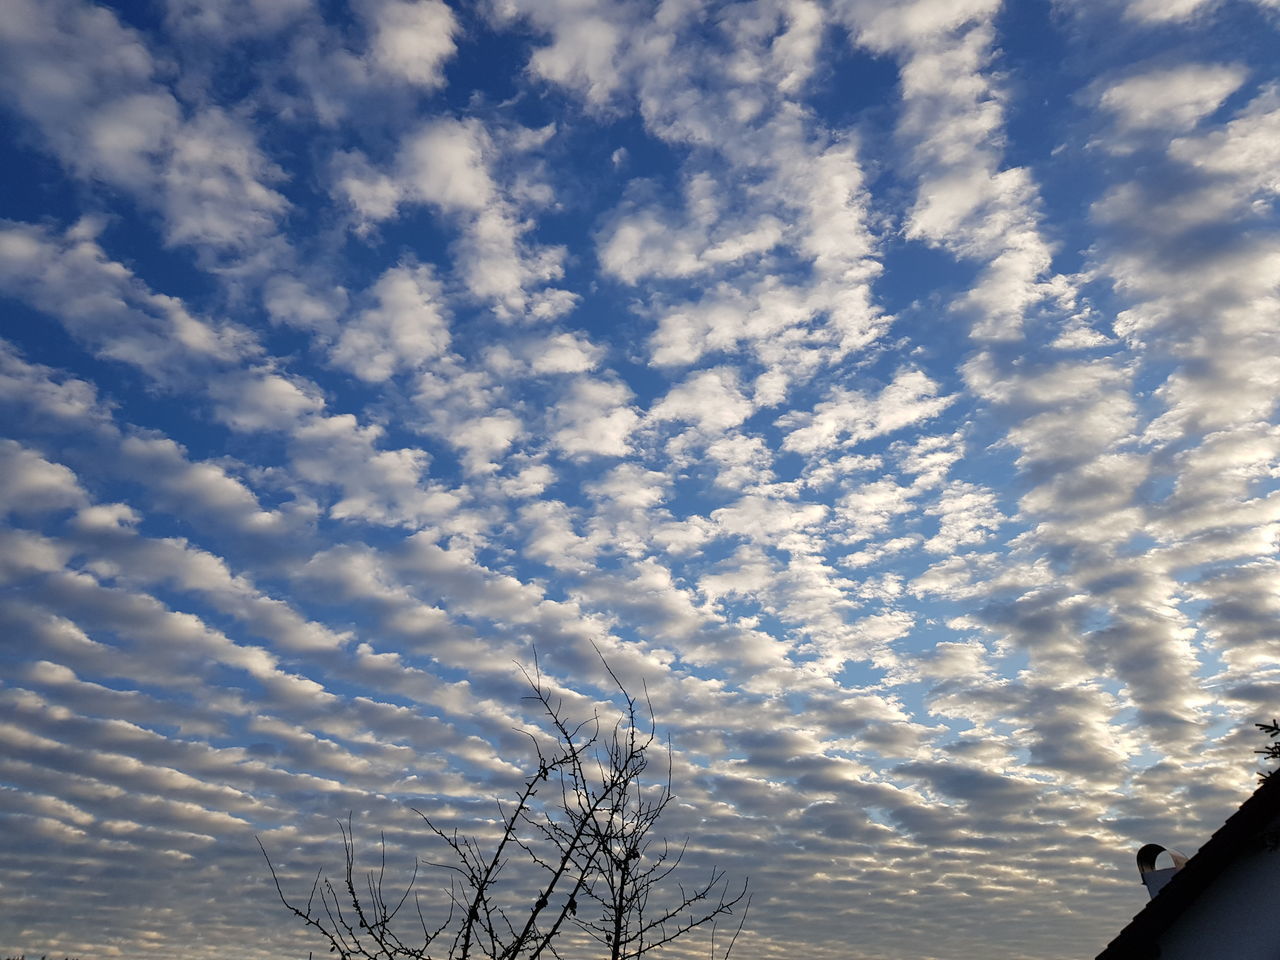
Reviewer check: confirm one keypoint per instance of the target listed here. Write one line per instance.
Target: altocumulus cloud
(890, 388)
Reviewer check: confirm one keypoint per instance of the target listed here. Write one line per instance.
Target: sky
(889, 389)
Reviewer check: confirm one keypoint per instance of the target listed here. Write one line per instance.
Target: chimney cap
(1148, 854)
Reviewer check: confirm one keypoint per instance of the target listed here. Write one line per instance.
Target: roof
(1137, 941)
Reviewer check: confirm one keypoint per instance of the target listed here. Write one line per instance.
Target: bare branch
(585, 846)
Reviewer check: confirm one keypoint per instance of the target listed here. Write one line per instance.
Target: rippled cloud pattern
(887, 388)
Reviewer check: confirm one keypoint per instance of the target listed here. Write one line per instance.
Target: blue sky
(888, 388)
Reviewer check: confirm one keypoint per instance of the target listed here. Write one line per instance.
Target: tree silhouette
(1272, 750)
(589, 866)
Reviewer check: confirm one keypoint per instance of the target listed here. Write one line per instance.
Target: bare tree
(588, 864)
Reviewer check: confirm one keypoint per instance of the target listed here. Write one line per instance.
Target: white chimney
(1153, 878)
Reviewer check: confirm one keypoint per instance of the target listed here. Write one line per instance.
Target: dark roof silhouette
(1137, 941)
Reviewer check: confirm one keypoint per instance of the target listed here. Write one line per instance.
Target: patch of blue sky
(854, 89)
(1030, 36)
(40, 339)
(415, 233)
(34, 190)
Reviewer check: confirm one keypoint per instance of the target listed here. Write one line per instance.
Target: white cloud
(290, 300)
(485, 439)
(444, 164)
(215, 184)
(563, 353)
(376, 486)
(585, 38)
(1242, 148)
(375, 196)
(767, 519)
(264, 400)
(594, 418)
(644, 243)
(849, 416)
(405, 328)
(915, 23)
(412, 40)
(30, 483)
(869, 508)
(552, 538)
(447, 163)
(199, 490)
(969, 515)
(1166, 11)
(967, 201)
(710, 399)
(740, 460)
(794, 51)
(1171, 98)
(88, 83)
(107, 308)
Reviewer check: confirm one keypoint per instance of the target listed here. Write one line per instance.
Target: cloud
(1172, 98)
(106, 307)
(849, 417)
(444, 164)
(30, 484)
(376, 486)
(563, 353)
(758, 516)
(584, 43)
(594, 419)
(220, 20)
(967, 200)
(969, 515)
(405, 328)
(264, 400)
(447, 164)
(644, 244)
(87, 82)
(1147, 11)
(412, 41)
(918, 23)
(710, 399)
(215, 181)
